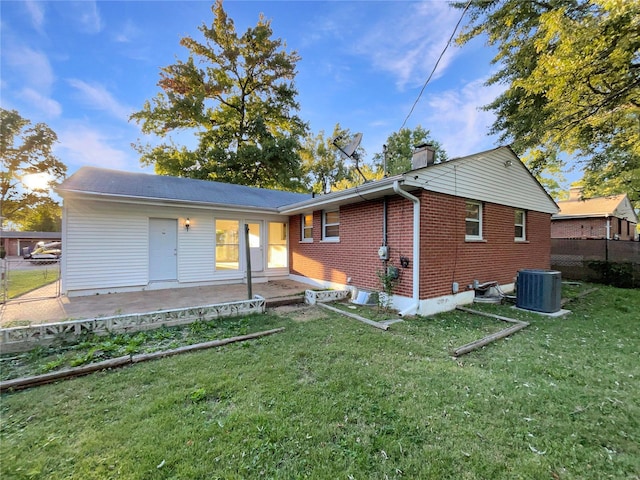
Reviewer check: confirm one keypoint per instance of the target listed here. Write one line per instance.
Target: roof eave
(366, 191)
(168, 201)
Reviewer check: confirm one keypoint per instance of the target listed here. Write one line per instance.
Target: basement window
(473, 221)
(306, 222)
(520, 226)
(331, 226)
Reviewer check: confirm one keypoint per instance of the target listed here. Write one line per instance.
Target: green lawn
(23, 281)
(334, 398)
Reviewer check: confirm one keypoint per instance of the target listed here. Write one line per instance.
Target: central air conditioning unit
(539, 290)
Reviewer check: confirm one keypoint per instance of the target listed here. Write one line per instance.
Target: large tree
(236, 94)
(26, 150)
(400, 146)
(322, 162)
(46, 216)
(572, 70)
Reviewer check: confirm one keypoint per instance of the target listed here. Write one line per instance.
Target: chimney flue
(424, 155)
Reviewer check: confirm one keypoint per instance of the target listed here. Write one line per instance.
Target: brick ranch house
(611, 217)
(14, 243)
(477, 218)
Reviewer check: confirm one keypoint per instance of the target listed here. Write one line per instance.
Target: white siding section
(106, 245)
(497, 176)
(196, 247)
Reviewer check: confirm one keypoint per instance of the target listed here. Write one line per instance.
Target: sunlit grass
(334, 398)
(23, 281)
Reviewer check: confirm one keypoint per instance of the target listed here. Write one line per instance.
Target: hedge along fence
(610, 262)
(21, 339)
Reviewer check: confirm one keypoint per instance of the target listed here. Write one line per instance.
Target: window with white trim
(520, 226)
(277, 254)
(473, 221)
(306, 222)
(331, 225)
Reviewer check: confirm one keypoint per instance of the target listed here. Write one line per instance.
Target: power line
(455, 29)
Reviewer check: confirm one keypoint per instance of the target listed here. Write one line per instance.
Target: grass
(334, 398)
(24, 281)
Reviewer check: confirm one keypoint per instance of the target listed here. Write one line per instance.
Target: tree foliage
(26, 149)
(236, 94)
(322, 162)
(572, 70)
(400, 146)
(43, 217)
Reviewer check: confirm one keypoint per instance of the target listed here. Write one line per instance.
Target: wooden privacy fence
(610, 262)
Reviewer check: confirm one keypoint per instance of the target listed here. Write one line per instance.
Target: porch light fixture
(187, 224)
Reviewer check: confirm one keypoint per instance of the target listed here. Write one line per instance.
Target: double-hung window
(331, 225)
(306, 222)
(473, 221)
(520, 226)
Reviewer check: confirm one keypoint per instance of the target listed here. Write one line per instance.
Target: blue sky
(83, 67)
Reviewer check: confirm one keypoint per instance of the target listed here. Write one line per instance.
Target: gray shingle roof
(100, 181)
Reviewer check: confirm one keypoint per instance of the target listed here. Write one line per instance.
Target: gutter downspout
(416, 249)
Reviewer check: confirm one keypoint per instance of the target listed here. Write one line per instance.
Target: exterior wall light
(187, 224)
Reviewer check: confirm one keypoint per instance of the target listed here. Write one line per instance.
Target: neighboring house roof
(31, 235)
(102, 182)
(612, 206)
(495, 176)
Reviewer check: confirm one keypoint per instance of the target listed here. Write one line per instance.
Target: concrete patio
(35, 307)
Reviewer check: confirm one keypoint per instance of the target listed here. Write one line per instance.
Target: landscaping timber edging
(28, 382)
(469, 347)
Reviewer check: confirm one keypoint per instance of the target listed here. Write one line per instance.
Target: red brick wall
(355, 256)
(445, 256)
(592, 228)
(448, 258)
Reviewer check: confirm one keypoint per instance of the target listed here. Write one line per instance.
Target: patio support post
(248, 262)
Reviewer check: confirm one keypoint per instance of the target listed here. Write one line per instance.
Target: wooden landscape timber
(28, 382)
(469, 347)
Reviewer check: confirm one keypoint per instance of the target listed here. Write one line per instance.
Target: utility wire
(455, 29)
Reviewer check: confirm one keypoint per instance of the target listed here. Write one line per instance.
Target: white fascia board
(74, 194)
(559, 216)
(367, 191)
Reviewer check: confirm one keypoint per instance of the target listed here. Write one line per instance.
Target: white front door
(256, 249)
(163, 249)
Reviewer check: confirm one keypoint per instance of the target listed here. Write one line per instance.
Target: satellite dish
(353, 144)
(350, 151)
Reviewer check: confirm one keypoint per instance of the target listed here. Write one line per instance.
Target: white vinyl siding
(510, 182)
(106, 245)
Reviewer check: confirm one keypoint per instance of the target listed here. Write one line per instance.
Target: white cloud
(36, 12)
(87, 15)
(33, 66)
(46, 105)
(98, 97)
(127, 33)
(81, 145)
(409, 43)
(456, 120)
